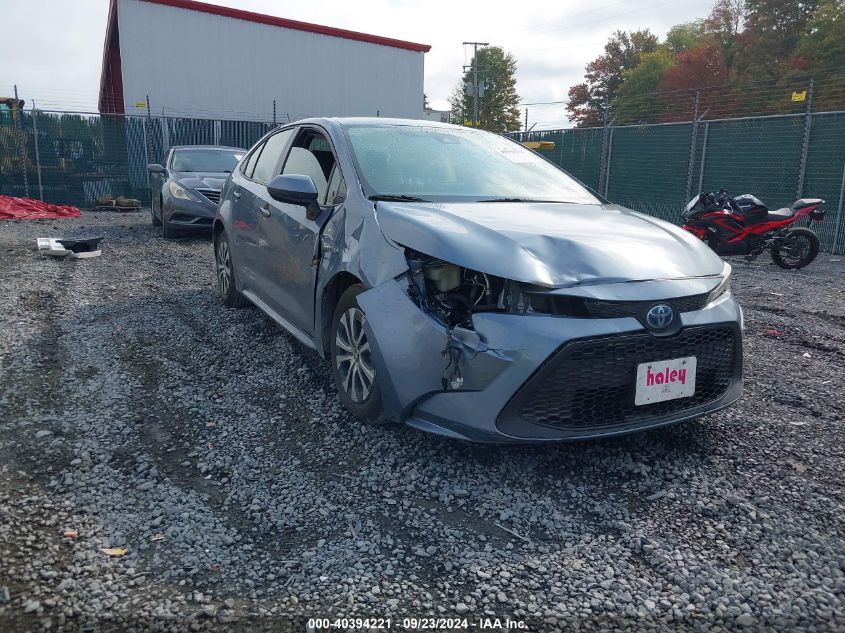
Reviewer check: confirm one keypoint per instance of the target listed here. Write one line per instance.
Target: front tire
(156, 220)
(352, 360)
(226, 273)
(798, 249)
(167, 231)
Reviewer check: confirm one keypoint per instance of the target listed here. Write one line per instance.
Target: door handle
(265, 210)
(236, 195)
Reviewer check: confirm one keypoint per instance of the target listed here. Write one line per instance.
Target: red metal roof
(261, 18)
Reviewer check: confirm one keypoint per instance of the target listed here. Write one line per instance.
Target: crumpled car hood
(201, 180)
(553, 245)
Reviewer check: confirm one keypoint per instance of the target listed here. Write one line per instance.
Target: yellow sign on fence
(799, 96)
(140, 104)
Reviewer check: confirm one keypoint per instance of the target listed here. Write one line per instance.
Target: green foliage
(772, 45)
(686, 35)
(823, 41)
(773, 30)
(725, 24)
(498, 109)
(636, 100)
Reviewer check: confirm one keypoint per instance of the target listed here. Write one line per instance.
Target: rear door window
(265, 166)
(249, 163)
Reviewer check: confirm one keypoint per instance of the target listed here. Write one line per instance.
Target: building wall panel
(197, 64)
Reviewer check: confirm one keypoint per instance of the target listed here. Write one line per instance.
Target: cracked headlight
(178, 191)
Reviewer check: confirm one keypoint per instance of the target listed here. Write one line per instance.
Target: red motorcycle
(744, 226)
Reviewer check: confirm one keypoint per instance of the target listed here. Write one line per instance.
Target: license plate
(665, 380)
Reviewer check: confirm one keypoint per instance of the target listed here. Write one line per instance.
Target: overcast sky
(52, 49)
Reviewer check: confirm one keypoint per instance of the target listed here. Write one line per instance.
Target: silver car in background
(463, 285)
(185, 187)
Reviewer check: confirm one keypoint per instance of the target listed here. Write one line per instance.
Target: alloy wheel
(794, 249)
(353, 357)
(224, 266)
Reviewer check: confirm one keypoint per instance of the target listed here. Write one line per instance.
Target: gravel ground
(138, 411)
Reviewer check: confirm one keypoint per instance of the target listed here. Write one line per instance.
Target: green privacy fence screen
(72, 158)
(656, 168)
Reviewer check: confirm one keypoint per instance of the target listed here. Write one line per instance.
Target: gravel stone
(211, 446)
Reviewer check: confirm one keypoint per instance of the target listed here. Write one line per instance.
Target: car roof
(220, 147)
(384, 121)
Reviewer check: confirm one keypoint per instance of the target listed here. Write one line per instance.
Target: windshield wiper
(397, 198)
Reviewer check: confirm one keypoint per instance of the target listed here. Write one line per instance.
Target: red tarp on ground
(29, 209)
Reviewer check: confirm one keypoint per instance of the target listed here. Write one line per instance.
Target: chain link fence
(72, 158)
(656, 168)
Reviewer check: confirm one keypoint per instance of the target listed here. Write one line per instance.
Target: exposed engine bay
(452, 293)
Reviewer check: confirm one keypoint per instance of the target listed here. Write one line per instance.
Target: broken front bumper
(537, 378)
(188, 214)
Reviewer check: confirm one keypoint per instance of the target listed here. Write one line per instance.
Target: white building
(193, 59)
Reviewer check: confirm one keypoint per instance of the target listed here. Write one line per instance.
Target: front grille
(615, 309)
(211, 194)
(590, 383)
(581, 307)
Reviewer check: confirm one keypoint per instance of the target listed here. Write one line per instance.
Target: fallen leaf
(773, 332)
(70, 534)
(113, 551)
(158, 537)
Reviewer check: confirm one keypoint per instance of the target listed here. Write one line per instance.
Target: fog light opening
(452, 379)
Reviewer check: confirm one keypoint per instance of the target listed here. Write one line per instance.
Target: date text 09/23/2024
(416, 624)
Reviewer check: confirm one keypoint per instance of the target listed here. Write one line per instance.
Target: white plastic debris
(51, 246)
(76, 248)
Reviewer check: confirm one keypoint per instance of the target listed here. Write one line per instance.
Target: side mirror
(155, 168)
(295, 189)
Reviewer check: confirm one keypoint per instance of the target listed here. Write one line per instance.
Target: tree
(456, 105)
(687, 35)
(588, 101)
(698, 67)
(773, 30)
(637, 101)
(823, 42)
(498, 108)
(726, 24)
(822, 47)
(426, 104)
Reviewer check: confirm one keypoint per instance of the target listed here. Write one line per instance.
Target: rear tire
(226, 273)
(352, 360)
(798, 249)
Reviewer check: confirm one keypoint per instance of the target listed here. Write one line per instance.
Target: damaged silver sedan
(462, 284)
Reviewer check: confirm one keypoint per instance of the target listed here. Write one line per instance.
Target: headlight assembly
(722, 289)
(451, 293)
(178, 191)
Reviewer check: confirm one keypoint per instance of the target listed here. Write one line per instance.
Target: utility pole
(475, 46)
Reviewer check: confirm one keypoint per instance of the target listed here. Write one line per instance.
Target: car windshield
(451, 164)
(208, 160)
